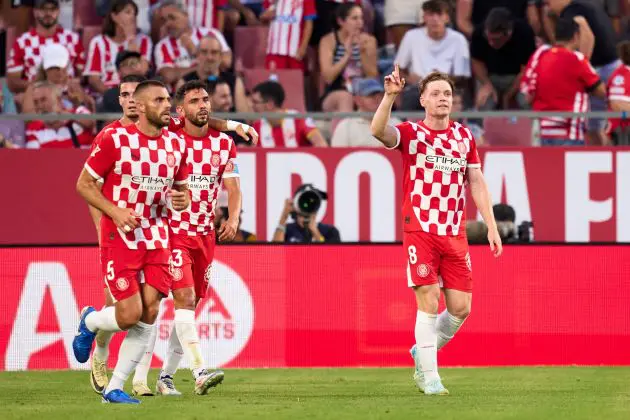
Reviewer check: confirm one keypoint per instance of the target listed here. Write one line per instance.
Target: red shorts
(429, 256)
(192, 258)
(283, 62)
(124, 269)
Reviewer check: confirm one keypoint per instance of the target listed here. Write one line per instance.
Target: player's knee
(185, 299)
(461, 312)
(150, 313)
(129, 318)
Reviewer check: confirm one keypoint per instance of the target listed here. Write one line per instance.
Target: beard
(198, 120)
(47, 22)
(156, 120)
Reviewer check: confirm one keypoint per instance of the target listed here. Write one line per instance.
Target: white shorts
(403, 12)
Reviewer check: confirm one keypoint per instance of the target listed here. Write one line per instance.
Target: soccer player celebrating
(439, 158)
(211, 162)
(141, 167)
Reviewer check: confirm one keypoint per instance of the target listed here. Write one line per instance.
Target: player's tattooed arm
(483, 201)
(180, 196)
(89, 188)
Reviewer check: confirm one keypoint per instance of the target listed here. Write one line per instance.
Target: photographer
(303, 208)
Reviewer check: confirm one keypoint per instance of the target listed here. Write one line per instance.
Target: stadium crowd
(290, 56)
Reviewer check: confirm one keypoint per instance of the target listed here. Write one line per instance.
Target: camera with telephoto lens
(307, 200)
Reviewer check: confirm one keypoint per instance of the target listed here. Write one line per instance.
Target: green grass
(492, 393)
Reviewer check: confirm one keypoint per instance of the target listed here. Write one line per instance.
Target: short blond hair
(435, 76)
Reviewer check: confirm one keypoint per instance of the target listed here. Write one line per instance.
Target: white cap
(55, 55)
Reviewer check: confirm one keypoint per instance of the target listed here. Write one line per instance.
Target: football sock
(447, 325)
(188, 337)
(173, 355)
(101, 350)
(131, 351)
(142, 370)
(105, 319)
(426, 341)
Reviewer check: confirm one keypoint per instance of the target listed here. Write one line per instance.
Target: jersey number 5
(110, 271)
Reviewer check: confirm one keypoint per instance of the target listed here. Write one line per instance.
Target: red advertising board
(573, 195)
(347, 305)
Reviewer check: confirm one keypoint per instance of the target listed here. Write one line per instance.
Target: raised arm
(383, 132)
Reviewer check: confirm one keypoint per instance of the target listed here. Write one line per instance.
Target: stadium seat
(291, 80)
(250, 45)
(89, 32)
(85, 13)
(508, 131)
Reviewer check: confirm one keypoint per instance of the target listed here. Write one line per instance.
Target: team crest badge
(423, 270)
(462, 147)
(215, 160)
(618, 80)
(177, 274)
(122, 284)
(170, 160)
(468, 263)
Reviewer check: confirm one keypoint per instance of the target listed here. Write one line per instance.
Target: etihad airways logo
(201, 182)
(149, 183)
(446, 163)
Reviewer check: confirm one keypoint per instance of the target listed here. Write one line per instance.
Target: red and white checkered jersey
(529, 75)
(41, 136)
(619, 90)
(137, 171)
(170, 52)
(204, 12)
(434, 165)
(286, 29)
(560, 79)
(291, 133)
(26, 54)
(211, 159)
(111, 126)
(102, 52)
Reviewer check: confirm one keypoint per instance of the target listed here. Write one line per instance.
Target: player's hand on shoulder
(247, 133)
(496, 245)
(125, 219)
(393, 83)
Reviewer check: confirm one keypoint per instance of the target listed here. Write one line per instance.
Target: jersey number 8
(413, 257)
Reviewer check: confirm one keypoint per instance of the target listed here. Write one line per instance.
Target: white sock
(426, 341)
(447, 325)
(173, 355)
(101, 350)
(188, 337)
(142, 370)
(131, 351)
(105, 319)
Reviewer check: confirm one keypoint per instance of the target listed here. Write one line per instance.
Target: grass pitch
(492, 393)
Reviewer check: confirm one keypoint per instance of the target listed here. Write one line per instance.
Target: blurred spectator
(613, 9)
(500, 50)
(208, 68)
(429, 48)
(594, 25)
(557, 79)
(175, 54)
(25, 57)
(120, 33)
(221, 215)
(128, 64)
(220, 96)
(54, 134)
(355, 132)
(303, 208)
(290, 30)
(476, 232)
(286, 132)
(475, 129)
(11, 131)
(619, 96)
(402, 16)
(344, 54)
(17, 12)
(472, 13)
(206, 13)
(54, 69)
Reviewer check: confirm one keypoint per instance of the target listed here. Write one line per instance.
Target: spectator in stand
(472, 13)
(25, 57)
(175, 54)
(206, 13)
(286, 132)
(475, 129)
(11, 131)
(220, 96)
(344, 54)
(55, 134)
(402, 16)
(355, 132)
(500, 49)
(128, 64)
(613, 10)
(54, 69)
(120, 33)
(597, 43)
(558, 80)
(619, 96)
(290, 31)
(208, 68)
(429, 48)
